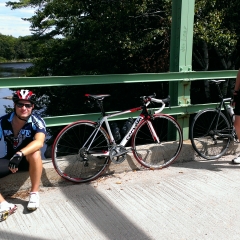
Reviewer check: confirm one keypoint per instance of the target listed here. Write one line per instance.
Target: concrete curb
(21, 181)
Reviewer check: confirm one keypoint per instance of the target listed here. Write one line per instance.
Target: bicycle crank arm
(122, 153)
(225, 136)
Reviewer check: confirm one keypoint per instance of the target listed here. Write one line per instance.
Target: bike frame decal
(105, 119)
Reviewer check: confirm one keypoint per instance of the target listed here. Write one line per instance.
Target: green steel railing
(181, 110)
(16, 82)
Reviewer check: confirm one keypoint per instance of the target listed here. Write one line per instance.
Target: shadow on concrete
(13, 183)
(10, 235)
(108, 219)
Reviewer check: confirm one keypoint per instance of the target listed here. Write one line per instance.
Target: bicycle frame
(223, 105)
(219, 108)
(143, 115)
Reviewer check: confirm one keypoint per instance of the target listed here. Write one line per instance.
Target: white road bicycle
(83, 149)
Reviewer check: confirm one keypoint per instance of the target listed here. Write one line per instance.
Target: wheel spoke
(208, 134)
(72, 161)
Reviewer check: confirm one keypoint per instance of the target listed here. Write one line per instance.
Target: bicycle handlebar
(152, 98)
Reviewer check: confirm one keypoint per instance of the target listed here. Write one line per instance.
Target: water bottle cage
(115, 131)
(127, 125)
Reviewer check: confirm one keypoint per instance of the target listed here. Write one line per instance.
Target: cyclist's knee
(33, 157)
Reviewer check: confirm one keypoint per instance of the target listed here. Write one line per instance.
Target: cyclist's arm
(237, 84)
(35, 145)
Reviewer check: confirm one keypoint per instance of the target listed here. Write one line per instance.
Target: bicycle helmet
(24, 95)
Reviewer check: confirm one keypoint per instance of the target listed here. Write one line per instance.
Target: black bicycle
(212, 129)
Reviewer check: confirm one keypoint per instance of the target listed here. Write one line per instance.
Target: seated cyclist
(24, 135)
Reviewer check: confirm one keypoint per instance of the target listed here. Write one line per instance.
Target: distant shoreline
(17, 61)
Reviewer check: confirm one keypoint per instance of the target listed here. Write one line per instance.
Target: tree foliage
(216, 44)
(215, 27)
(102, 36)
(98, 37)
(12, 48)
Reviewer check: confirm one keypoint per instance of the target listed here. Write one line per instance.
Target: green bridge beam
(111, 79)
(181, 55)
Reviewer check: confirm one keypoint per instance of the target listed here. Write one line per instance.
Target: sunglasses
(27, 105)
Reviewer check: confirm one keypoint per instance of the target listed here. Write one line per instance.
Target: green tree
(7, 44)
(12, 48)
(99, 37)
(216, 40)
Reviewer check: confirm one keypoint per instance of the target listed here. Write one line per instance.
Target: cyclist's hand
(14, 162)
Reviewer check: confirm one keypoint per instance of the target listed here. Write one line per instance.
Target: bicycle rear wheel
(151, 154)
(207, 131)
(70, 157)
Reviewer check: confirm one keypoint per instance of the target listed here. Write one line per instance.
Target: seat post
(219, 91)
(100, 104)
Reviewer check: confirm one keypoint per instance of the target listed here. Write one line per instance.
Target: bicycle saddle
(97, 96)
(217, 81)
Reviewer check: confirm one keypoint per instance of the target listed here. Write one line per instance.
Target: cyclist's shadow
(197, 162)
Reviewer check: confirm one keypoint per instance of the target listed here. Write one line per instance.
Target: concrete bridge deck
(191, 199)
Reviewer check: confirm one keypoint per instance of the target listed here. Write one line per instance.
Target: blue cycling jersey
(35, 124)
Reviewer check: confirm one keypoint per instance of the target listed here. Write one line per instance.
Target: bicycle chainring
(118, 154)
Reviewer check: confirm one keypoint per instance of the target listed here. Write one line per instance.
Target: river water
(10, 70)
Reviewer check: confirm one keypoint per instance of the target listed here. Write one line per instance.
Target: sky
(11, 22)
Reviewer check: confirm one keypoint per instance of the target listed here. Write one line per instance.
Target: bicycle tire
(151, 154)
(207, 144)
(67, 152)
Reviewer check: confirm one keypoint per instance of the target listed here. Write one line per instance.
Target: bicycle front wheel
(152, 154)
(210, 134)
(71, 158)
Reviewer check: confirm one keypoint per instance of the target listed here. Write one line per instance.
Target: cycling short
(4, 170)
(237, 106)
